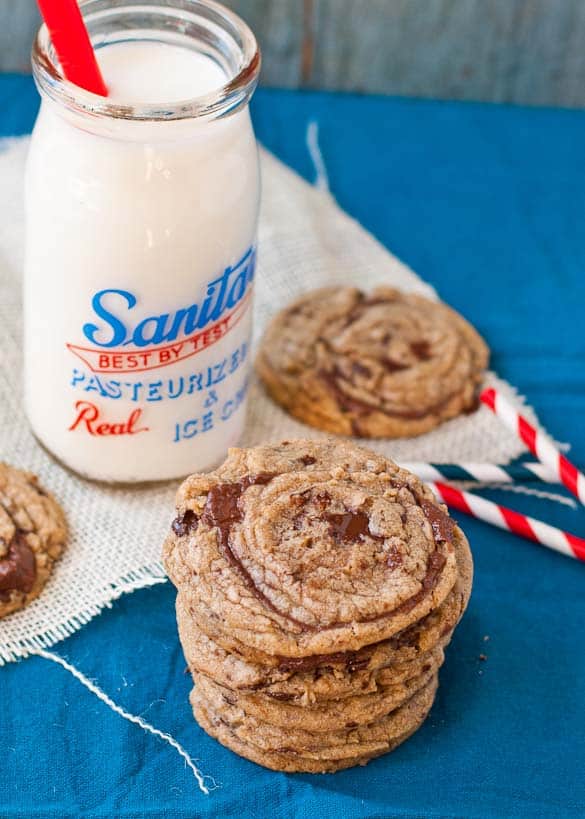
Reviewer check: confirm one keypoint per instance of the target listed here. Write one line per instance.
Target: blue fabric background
(488, 204)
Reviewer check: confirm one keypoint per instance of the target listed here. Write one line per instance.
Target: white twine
(322, 177)
(136, 720)
(520, 490)
(539, 493)
(11, 650)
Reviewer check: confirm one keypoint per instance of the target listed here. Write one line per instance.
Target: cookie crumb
(483, 657)
(486, 638)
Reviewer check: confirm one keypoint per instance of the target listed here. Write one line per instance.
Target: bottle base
(125, 482)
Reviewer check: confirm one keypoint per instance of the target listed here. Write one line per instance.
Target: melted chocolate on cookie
(223, 509)
(185, 523)
(18, 569)
(350, 526)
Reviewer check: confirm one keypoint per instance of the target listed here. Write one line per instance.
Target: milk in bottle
(141, 228)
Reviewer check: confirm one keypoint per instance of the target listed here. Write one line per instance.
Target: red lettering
(134, 418)
(167, 354)
(89, 415)
(194, 341)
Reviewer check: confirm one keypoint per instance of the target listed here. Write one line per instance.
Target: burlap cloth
(305, 241)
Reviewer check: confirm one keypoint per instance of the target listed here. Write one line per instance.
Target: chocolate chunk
(222, 508)
(185, 523)
(308, 460)
(434, 569)
(18, 570)
(422, 350)
(349, 527)
(261, 479)
(351, 660)
(442, 525)
(392, 366)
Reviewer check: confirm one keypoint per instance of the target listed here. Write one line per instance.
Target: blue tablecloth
(488, 204)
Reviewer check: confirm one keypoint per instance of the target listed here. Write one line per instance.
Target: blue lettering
(187, 317)
(157, 333)
(222, 294)
(117, 327)
(175, 392)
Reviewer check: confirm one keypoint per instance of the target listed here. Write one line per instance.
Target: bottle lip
(226, 100)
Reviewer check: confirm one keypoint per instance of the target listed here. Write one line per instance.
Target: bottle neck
(203, 26)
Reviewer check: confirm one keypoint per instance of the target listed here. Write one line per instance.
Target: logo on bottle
(163, 339)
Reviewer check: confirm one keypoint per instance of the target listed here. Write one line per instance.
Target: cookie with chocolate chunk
(353, 741)
(301, 750)
(409, 644)
(352, 711)
(311, 547)
(345, 751)
(309, 687)
(386, 364)
(32, 537)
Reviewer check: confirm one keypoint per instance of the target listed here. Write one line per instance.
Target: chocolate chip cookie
(309, 687)
(408, 644)
(311, 547)
(323, 717)
(32, 537)
(297, 749)
(381, 365)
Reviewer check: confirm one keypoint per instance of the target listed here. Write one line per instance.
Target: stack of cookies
(318, 585)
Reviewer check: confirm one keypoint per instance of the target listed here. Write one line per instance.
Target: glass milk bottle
(141, 215)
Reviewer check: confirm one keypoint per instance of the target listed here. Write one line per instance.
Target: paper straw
(72, 44)
(483, 473)
(537, 443)
(511, 521)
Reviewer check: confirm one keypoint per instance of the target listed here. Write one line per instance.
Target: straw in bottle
(72, 44)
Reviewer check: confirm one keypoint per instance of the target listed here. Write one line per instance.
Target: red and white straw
(72, 44)
(537, 443)
(511, 521)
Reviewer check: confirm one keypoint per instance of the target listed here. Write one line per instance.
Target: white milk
(138, 277)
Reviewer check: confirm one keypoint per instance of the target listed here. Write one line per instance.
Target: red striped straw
(511, 521)
(72, 44)
(537, 443)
